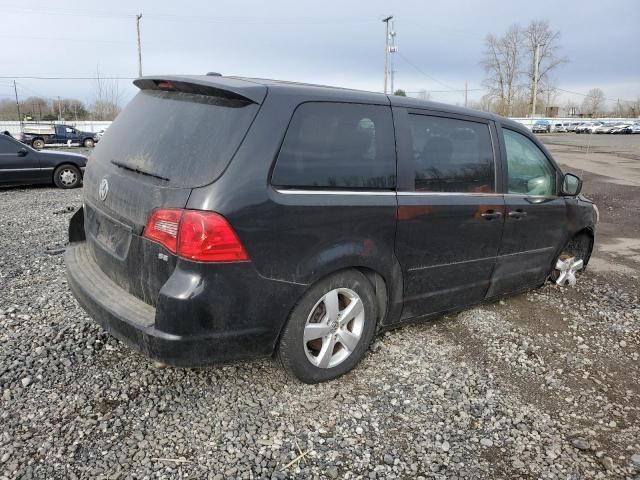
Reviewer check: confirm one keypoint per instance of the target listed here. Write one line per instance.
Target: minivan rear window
(185, 139)
(338, 145)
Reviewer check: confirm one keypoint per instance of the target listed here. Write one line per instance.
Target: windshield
(183, 139)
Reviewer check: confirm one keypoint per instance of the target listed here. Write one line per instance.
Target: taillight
(195, 235)
(208, 237)
(162, 227)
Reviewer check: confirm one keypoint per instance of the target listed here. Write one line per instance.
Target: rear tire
(67, 176)
(88, 143)
(330, 329)
(38, 144)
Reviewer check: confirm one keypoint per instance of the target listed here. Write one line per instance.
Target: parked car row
(626, 127)
(609, 127)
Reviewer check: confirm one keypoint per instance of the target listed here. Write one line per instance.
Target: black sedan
(22, 165)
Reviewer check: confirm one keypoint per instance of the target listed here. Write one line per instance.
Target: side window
(451, 155)
(338, 145)
(529, 172)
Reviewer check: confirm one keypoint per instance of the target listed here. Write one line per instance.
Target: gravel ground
(622, 145)
(541, 385)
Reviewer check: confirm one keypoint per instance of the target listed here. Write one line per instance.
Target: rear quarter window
(338, 145)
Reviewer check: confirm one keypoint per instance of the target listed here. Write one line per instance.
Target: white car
(620, 127)
(588, 127)
(558, 127)
(571, 126)
(605, 128)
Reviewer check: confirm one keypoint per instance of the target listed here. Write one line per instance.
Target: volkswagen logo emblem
(104, 189)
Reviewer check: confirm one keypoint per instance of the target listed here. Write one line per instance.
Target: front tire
(579, 247)
(88, 143)
(67, 176)
(330, 329)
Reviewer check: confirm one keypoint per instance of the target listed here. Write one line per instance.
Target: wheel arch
(388, 292)
(590, 234)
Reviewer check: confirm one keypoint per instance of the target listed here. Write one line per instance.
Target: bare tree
(634, 108)
(108, 97)
(501, 62)
(538, 35)
(571, 108)
(485, 103)
(35, 108)
(593, 103)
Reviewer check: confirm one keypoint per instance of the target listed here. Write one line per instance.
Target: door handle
(519, 213)
(491, 214)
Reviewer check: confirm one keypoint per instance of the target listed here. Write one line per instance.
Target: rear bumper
(135, 322)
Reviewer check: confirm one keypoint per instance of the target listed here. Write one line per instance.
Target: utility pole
(534, 96)
(548, 103)
(15, 89)
(392, 49)
(59, 109)
(386, 51)
(138, 18)
(465, 94)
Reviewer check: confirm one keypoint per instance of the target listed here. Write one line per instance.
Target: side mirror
(23, 152)
(571, 185)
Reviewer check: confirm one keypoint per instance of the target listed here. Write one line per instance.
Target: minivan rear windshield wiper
(137, 170)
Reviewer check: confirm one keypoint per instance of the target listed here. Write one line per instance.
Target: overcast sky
(330, 42)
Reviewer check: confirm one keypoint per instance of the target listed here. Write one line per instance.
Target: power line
(586, 95)
(195, 18)
(418, 69)
(24, 87)
(68, 12)
(63, 39)
(27, 77)
(451, 91)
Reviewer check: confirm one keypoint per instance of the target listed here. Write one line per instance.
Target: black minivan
(226, 218)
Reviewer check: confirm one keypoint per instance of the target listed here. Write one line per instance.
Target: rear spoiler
(218, 86)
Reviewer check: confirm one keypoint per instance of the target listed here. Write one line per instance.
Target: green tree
(400, 93)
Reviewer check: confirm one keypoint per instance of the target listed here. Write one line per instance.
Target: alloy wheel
(334, 328)
(68, 177)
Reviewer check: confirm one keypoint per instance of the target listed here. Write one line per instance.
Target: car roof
(341, 93)
(254, 89)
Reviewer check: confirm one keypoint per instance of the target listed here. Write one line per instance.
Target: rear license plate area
(108, 233)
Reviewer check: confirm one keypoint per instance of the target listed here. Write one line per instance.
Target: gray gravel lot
(628, 145)
(541, 385)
